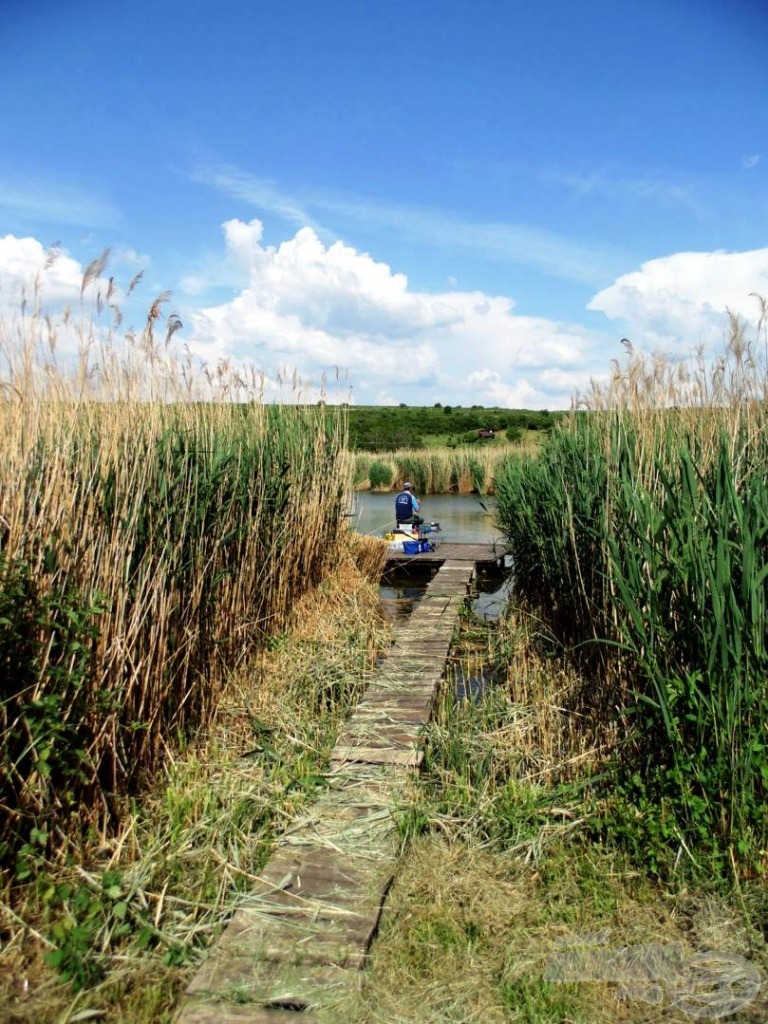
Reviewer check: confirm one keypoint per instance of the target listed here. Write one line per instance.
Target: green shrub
(380, 475)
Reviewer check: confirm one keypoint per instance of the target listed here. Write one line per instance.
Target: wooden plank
(273, 984)
(385, 755)
(401, 737)
(355, 782)
(300, 936)
(214, 1011)
(415, 712)
(321, 879)
(450, 552)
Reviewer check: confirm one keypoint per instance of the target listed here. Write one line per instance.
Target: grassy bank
(127, 916)
(641, 534)
(508, 876)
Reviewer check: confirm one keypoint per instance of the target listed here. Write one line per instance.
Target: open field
(388, 428)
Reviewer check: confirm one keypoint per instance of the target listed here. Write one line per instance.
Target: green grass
(641, 535)
(118, 926)
(503, 871)
(387, 428)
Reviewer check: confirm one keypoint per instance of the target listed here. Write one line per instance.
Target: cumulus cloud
(680, 301)
(495, 391)
(316, 306)
(516, 243)
(25, 264)
(327, 310)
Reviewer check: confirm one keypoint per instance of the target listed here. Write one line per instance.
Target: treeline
(385, 428)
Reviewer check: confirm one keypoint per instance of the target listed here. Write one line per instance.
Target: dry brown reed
(195, 843)
(697, 396)
(157, 522)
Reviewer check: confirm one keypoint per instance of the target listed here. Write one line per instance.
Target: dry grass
(468, 932)
(157, 523)
(185, 857)
(502, 872)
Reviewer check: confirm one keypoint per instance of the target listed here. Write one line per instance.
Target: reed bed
(157, 523)
(503, 872)
(464, 470)
(128, 918)
(641, 533)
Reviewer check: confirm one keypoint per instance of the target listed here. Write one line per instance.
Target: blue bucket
(411, 547)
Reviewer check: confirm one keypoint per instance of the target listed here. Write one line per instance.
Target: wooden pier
(484, 557)
(300, 937)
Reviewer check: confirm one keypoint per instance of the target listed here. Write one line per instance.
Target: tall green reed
(155, 529)
(432, 471)
(641, 534)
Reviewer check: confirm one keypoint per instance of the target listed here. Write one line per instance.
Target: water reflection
(401, 590)
(397, 602)
(492, 595)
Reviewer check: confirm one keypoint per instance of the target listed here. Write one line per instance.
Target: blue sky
(452, 201)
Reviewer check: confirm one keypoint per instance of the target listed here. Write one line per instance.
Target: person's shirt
(406, 504)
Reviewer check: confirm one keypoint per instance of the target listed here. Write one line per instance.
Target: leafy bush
(380, 475)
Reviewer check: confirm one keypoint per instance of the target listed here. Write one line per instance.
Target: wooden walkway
(301, 936)
(483, 556)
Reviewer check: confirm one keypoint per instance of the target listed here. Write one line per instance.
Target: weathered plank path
(301, 936)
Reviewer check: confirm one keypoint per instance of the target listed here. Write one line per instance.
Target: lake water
(463, 520)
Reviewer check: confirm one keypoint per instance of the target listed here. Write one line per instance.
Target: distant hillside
(388, 427)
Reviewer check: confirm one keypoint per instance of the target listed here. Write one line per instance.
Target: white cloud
(522, 244)
(25, 264)
(748, 162)
(330, 311)
(490, 389)
(318, 306)
(680, 301)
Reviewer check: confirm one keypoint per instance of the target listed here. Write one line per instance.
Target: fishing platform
(300, 937)
(485, 558)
